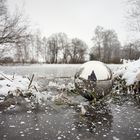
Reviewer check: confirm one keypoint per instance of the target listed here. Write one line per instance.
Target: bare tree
(44, 42)
(53, 48)
(77, 51)
(111, 45)
(38, 46)
(3, 8)
(23, 51)
(58, 44)
(133, 14)
(106, 45)
(64, 46)
(131, 50)
(98, 40)
(13, 28)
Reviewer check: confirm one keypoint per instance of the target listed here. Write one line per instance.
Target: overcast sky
(77, 18)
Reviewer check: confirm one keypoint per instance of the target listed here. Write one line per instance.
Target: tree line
(107, 48)
(57, 48)
(30, 47)
(26, 46)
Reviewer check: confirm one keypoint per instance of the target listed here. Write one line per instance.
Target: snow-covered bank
(18, 90)
(10, 83)
(56, 88)
(129, 71)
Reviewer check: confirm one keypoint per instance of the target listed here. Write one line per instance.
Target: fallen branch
(6, 77)
(31, 80)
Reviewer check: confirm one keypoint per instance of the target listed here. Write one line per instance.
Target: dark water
(116, 119)
(110, 121)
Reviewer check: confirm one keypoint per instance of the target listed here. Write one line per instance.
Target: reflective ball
(93, 80)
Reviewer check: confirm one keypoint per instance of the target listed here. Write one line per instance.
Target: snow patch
(10, 83)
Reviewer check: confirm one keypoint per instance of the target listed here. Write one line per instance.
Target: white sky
(77, 18)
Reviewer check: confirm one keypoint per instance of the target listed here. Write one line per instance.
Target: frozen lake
(116, 119)
(55, 70)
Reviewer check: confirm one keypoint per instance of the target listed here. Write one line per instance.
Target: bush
(115, 60)
(6, 60)
(33, 61)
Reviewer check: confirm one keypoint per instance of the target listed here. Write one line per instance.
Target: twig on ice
(13, 76)
(36, 88)
(6, 77)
